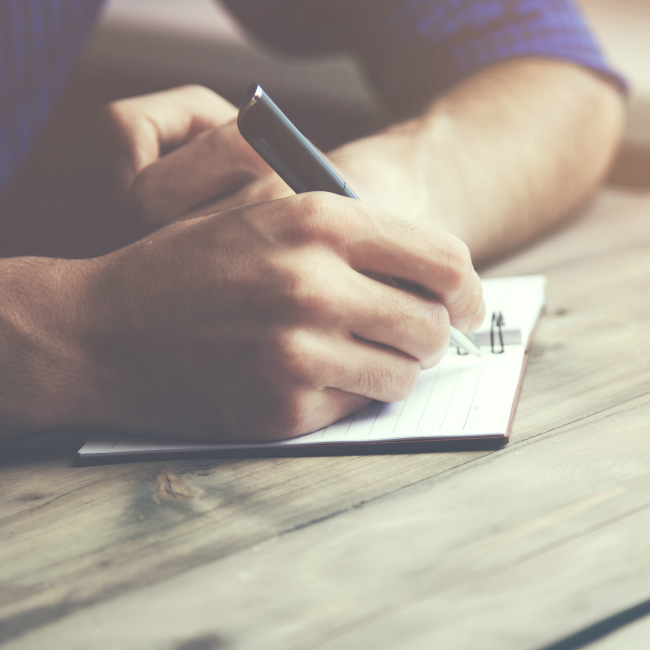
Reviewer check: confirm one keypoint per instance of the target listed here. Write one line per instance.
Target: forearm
(41, 383)
(221, 327)
(497, 159)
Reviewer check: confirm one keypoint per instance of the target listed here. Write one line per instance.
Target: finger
(372, 370)
(478, 319)
(140, 128)
(217, 162)
(365, 308)
(432, 259)
(322, 358)
(417, 327)
(370, 239)
(317, 409)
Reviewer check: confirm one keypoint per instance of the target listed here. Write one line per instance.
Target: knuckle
(125, 133)
(318, 301)
(311, 291)
(458, 265)
(113, 116)
(296, 358)
(121, 121)
(198, 90)
(435, 327)
(475, 298)
(405, 379)
(281, 412)
(313, 204)
(319, 218)
(291, 415)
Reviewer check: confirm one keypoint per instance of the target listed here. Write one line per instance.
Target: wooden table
(513, 549)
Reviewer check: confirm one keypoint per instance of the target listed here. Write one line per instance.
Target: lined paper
(463, 397)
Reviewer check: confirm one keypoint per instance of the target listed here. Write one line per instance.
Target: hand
(260, 323)
(208, 167)
(179, 153)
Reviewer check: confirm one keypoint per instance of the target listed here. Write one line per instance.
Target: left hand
(179, 153)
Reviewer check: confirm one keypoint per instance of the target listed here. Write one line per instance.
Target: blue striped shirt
(413, 49)
(39, 43)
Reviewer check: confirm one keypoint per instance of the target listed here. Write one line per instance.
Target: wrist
(392, 170)
(45, 378)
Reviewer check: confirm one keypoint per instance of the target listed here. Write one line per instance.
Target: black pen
(298, 163)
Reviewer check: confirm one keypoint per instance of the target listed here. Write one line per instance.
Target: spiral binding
(497, 338)
(498, 322)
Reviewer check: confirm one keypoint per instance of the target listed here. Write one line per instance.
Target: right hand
(261, 323)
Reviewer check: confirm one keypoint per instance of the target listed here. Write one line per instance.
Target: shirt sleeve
(40, 41)
(416, 49)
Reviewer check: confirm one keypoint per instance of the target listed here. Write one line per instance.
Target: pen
(298, 163)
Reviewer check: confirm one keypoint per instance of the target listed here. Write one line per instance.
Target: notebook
(464, 399)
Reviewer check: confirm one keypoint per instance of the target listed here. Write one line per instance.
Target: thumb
(213, 165)
(140, 129)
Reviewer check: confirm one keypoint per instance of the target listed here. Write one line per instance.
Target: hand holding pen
(270, 318)
(303, 168)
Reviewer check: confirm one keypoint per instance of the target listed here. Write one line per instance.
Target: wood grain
(407, 570)
(508, 549)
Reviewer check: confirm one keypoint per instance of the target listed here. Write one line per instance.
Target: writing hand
(260, 322)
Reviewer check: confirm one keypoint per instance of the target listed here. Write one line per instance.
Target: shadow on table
(589, 635)
(55, 446)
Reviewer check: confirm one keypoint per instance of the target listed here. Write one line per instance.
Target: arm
(499, 158)
(495, 161)
(44, 375)
(258, 323)
(524, 125)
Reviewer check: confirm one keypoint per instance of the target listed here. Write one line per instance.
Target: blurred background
(146, 45)
(168, 42)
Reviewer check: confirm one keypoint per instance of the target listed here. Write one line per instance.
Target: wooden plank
(129, 530)
(495, 553)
